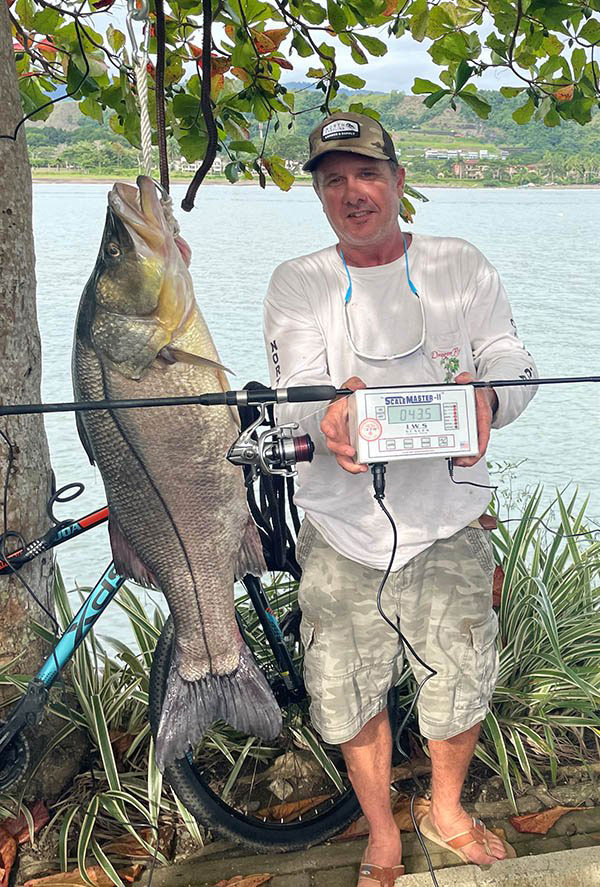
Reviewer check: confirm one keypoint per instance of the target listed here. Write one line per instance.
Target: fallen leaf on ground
(17, 826)
(291, 809)
(8, 853)
(129, 846)
(96, 875)
(401, 811)
(245, 881)
(402, 815)
(540, 823)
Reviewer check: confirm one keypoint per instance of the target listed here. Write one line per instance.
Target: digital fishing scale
(420, 422)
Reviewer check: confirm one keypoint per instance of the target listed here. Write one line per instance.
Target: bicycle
(286, 795)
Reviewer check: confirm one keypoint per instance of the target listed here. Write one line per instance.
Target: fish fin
(173, 355)
(250, 557)
(242, 699)
(84, 438)
(126, 560)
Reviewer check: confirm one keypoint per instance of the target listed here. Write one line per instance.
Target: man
(379, 308)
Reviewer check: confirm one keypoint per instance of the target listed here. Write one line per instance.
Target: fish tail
(242, 699)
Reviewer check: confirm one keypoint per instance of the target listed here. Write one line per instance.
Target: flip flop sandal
(477, 834)
(378, 874)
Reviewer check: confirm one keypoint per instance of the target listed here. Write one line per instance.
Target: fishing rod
(294, 394)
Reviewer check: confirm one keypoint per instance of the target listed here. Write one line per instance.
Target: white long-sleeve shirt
(468, 327)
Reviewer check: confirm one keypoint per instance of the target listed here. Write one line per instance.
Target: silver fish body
(178, 514)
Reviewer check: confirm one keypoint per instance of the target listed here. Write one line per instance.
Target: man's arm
(498, 352)
(295, 346)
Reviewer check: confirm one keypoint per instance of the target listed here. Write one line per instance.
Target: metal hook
(138, 15)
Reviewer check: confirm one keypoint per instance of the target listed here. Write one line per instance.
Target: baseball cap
(348, 131)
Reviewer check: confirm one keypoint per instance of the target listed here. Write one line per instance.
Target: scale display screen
(431, 412)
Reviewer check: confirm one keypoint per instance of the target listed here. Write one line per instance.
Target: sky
(405, 60)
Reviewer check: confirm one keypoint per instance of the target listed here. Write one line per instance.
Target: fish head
(140, 297)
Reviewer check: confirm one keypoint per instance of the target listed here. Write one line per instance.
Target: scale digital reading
(413, 423)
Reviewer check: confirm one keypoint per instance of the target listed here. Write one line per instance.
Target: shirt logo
(340, 129)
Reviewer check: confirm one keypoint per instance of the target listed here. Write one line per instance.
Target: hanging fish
(178, 514)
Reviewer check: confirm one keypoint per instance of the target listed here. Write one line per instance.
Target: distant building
(182, 165)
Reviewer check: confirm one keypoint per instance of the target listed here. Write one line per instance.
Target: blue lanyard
(348, 296)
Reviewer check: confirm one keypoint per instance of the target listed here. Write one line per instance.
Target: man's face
(360, 196)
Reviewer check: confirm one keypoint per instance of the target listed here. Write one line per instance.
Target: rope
(141, 79)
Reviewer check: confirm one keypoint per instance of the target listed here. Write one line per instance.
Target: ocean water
(543, 242)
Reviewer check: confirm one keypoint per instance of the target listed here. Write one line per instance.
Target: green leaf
(442, 19)
(193, 145)
(590, 31)
(115, 38)
(434, 98)
(578, 60)
(357, 54)
(316, 73)
(336, 16)
(552, 118)
(244, 147)
(419, 19)
(312, 12)
(91, 108)
(451, 48)
(352, 80)
(282, 177)
(47, 21)
(373, 45)
(510, 92)
(302, 46)
(63, 837)
(481, 107)
(106, 865)
(525, 112)
(25, 10)
(232, 172)
(463, 73)
(85, 835)
(421, 86)
(185, 105)
(493, 727)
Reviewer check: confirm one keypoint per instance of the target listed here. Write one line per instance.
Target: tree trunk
(29, 480)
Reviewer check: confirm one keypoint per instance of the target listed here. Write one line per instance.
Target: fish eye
(113, 250)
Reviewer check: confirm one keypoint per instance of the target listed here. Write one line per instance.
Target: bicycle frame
(29, 709)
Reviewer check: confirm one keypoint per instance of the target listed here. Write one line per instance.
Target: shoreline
(60, 179)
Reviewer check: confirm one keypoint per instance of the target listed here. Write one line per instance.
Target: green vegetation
(545, 707)
(569, 154)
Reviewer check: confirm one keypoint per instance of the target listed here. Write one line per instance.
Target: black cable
(161, 137)
(187, 203)
(512, 520)
(67, 95)
(378, 472)
(421, 841)
(6, 534)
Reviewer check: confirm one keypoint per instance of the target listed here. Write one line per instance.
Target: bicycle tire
(212, 812)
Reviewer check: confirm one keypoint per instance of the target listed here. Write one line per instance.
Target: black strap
(275, 502)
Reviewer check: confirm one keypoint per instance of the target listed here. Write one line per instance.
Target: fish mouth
(143, 214)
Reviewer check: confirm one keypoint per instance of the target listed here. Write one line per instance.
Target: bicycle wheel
(284, 795)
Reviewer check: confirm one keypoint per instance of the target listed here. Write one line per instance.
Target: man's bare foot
(448, 826)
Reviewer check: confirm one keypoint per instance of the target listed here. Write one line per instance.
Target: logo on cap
(340, 129)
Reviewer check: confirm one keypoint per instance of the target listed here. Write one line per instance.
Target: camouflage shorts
(442, 600)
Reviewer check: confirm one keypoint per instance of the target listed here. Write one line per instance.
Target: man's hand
(334, 426)
(486, 402)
